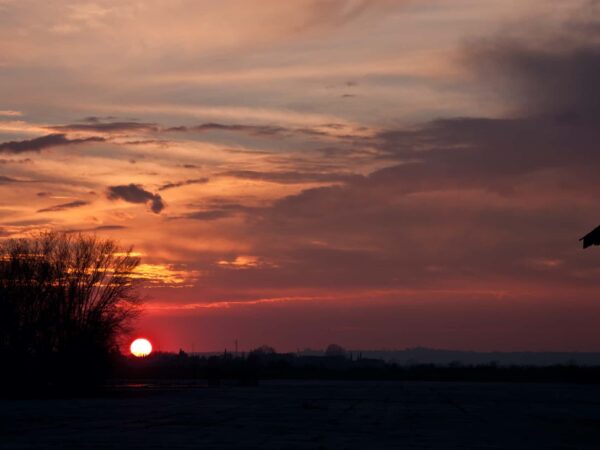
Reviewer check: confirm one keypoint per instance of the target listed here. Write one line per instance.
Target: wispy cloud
(64, 206)
(292, 177)
(4, 179)
(10, 113)
(106, 127)
(166, 186)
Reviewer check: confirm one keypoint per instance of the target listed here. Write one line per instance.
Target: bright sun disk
(141, 347)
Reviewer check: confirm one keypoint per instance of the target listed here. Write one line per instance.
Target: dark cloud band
(134, 193)
(41, 143)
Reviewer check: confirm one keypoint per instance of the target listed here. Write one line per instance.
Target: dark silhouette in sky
(592, 238)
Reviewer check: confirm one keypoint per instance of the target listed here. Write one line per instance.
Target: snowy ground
(314, 415)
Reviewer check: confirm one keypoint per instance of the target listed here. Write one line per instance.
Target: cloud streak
(4, 179)
(292, 177)
(44, 142)
(322, 131)
(64, 206)
(107, 127)
(166, 186)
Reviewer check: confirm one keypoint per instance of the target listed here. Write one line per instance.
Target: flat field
(312, 415)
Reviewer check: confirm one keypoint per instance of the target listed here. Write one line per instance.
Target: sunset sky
(374, 173)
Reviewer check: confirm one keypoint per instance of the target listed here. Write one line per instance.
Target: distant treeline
(422, 355)
(249, 369)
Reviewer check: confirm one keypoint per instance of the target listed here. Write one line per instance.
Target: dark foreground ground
(313, 415)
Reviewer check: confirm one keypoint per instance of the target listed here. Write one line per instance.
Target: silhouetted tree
(64, 301)
(263, 350)
(336, 351)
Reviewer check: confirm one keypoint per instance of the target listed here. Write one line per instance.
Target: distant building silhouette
(592, 238)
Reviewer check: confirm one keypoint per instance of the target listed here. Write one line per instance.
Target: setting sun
(140, 348)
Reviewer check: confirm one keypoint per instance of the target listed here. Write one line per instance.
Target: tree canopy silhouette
(335, 351)
(64, 301)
